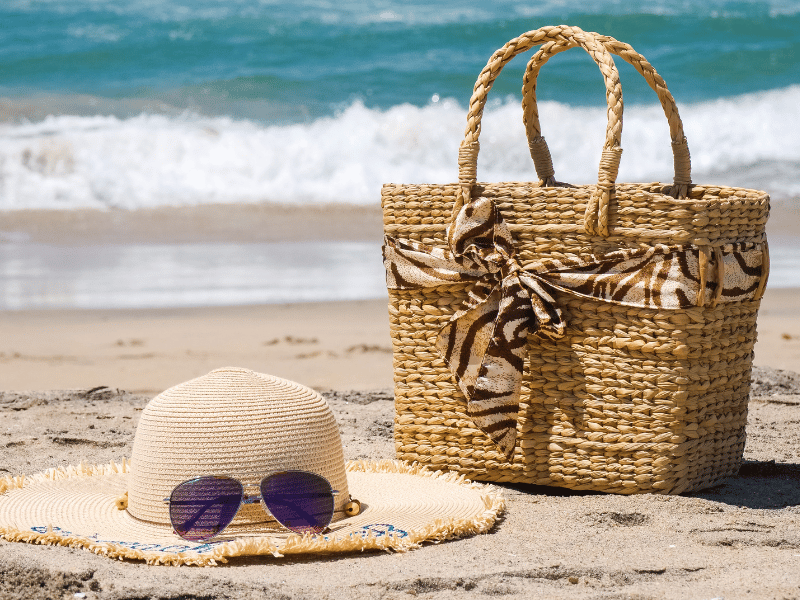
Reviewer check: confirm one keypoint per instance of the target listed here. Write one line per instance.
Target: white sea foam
(67, 162)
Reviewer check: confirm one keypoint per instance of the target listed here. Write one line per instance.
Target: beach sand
(327, 346)
(740, 539)
(737, 540)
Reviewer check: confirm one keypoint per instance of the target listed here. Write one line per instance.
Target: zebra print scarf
(484, 343)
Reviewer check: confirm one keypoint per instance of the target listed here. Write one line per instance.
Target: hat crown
(233, 422)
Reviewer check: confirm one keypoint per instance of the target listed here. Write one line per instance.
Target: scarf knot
(485, 342)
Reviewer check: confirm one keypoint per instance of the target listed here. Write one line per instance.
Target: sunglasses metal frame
(249, 499)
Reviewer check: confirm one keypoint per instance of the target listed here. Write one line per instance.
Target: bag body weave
(628, 396)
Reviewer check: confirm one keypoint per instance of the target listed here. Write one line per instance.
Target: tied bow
(485, 342)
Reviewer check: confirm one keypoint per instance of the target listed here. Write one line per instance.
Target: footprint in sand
(317, 354)
(131, 342)
(290, 339)
(367, 348)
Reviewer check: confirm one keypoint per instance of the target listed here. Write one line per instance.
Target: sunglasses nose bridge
(251, 499)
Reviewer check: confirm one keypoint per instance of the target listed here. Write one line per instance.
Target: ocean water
(129, 104)
(201, 274)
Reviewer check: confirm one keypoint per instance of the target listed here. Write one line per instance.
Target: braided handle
(596, 219)
(561, 34)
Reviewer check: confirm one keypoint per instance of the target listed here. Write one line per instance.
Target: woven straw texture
(631, 399)
(231, 422)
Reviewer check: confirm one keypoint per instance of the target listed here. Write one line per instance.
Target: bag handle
(541, 153)
(564, 35)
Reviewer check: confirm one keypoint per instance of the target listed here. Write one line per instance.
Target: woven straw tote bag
(594, 337)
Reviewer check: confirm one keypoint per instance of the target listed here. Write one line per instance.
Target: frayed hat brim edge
(439, 530)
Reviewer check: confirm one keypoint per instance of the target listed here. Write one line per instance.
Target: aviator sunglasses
(202, 507)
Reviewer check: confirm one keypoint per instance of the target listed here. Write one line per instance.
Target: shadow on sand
(758, 485)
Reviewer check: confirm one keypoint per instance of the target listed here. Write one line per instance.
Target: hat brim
(402, 506)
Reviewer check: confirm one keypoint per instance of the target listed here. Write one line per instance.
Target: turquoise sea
(129, 104)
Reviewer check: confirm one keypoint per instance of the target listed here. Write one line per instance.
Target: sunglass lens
(200, 508)
(300, 501)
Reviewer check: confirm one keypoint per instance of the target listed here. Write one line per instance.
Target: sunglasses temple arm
(256, 498)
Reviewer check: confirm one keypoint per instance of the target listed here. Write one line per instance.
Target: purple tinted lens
(200, 508)
(300, 501)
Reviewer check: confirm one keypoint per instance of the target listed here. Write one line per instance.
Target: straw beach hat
(245, 425)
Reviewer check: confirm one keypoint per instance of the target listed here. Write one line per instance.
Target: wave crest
(69, 162)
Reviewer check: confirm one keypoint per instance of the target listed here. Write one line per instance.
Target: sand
(737, 540)
(76, 382)
(341, 346)
(327, 346)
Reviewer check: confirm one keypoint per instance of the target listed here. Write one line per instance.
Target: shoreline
(148, 350)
